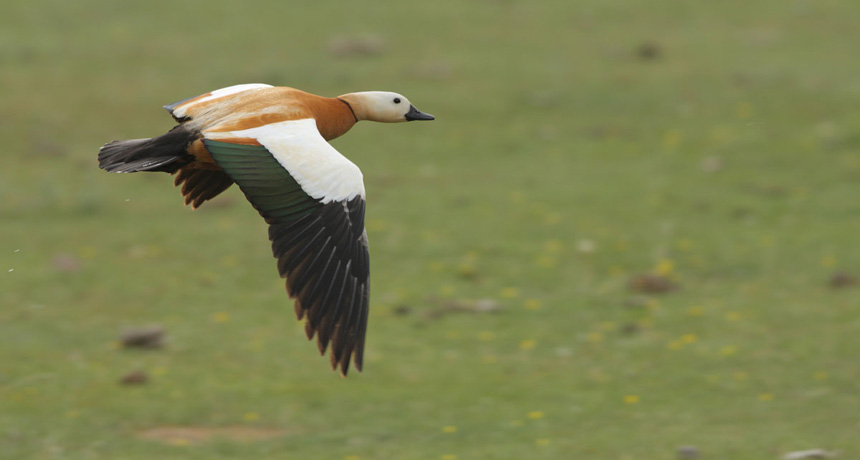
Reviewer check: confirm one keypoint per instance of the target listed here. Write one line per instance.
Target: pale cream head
(383, 106)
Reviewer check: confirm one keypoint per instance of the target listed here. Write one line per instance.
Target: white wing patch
(181, 110)
(321, 171)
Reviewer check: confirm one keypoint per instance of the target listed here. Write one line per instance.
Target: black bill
(415, 114)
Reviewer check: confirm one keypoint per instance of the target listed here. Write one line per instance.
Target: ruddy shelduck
(272, 142)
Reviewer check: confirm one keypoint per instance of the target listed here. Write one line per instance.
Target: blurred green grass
(562, 163)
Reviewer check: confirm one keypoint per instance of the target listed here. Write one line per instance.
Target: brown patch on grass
(843, 280)
(181, 435)
(134, 378)
(653, 284)
(66, 263)
(143, 337)
(648, 51)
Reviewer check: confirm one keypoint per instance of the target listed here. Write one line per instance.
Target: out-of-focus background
(632, 227)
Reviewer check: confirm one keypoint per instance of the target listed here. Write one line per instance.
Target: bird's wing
(312, 197)
(201, 185)
(186, 108)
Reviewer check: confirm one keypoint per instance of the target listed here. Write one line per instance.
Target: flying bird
(273, 143)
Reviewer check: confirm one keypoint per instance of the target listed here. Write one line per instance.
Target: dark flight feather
(321, 249)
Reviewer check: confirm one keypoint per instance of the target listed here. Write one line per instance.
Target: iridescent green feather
(268, 186)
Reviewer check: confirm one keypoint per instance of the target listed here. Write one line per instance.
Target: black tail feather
(166, 153)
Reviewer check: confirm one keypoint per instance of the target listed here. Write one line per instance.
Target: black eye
(396, 100)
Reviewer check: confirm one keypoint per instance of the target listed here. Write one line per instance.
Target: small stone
(688, 453)
(811, 453)
(402, 310)
(134, 378)
(712, 164)
(66, 263)
(630, 328)
(842, 280)
(143, 337)
(486, 306)
(563, 352)
(480, 306)
(586, 246)
(648, 51)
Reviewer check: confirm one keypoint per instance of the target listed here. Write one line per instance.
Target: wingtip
(343, 374)
(341, 365)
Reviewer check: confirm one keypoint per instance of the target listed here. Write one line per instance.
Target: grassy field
(577, 145)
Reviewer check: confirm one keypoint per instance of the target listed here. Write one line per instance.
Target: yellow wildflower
(532, 304)
(672, 138)
(228, 261)
(665, 267)
(728, 350)
(88, 252)
(552, 246)
(696, 311)
(551, 218)
(546, 261)
(652, 304)
(744, 110)
(160, 370)
(733, 316)
(221, 317)
(689, 338)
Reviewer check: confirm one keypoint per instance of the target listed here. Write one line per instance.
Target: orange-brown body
(250, 109)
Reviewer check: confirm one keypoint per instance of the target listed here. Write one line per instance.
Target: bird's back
(258, 106)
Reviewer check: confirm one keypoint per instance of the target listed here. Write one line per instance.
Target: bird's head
(383, 106)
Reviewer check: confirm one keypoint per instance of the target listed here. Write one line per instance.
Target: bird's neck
(334, 117)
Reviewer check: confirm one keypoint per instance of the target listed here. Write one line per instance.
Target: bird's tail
(166, 153)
